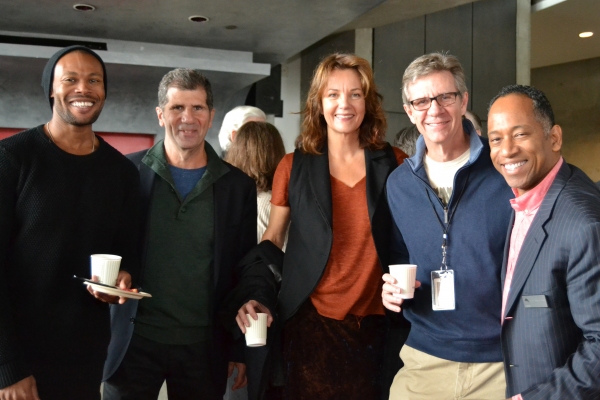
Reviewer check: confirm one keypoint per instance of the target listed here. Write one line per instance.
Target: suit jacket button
(511, 365)
(132, 320)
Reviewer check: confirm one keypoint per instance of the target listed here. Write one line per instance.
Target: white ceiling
(275, 30)
(555, 30)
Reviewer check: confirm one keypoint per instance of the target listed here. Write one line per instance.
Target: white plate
(117, 292)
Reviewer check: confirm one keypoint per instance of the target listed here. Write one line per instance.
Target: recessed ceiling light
(84, 7)
(586, 34)
(231, 27)
(197, 18)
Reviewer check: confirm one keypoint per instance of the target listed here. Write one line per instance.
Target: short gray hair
(406, 140)
(184, 79)
(234, 119)
(430, 63)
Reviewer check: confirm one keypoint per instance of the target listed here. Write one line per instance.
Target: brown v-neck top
(351, 282)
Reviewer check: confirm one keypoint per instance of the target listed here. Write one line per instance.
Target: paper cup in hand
(256, 333)
(106, 267)
(405, 275)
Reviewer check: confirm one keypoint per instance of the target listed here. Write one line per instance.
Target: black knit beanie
(48, 75)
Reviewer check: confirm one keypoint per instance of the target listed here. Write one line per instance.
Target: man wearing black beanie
(64, 194)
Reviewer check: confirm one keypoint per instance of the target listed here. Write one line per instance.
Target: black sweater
(56, 209)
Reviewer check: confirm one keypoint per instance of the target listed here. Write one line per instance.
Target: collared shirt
(526, 207)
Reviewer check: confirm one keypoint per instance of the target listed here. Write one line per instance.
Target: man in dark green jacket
(199, 220)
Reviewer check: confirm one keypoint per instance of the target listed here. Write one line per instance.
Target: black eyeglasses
(444, 99)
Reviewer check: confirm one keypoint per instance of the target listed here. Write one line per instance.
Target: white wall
(289, 124)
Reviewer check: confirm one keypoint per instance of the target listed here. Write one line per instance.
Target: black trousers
(147, 364)
(68, 381)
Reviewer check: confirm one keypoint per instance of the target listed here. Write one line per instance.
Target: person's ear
(556, 138)
(159, 114)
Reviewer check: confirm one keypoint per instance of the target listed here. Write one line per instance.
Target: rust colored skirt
(329, 359)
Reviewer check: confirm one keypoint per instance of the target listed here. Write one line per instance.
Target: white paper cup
(106, 267)
(405, 275)
(256, 333)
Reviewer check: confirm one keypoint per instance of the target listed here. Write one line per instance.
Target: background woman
(330, 192)
(257, 150)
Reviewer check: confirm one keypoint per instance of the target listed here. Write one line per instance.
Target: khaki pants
(427, 377)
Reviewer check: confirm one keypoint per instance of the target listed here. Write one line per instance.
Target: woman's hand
(251, 308)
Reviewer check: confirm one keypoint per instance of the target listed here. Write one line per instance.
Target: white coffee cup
(405, 275)
(105, 267)
(256, 333)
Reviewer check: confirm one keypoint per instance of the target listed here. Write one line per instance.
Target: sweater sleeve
(12, 365)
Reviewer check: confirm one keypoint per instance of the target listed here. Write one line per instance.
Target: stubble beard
(70, 119)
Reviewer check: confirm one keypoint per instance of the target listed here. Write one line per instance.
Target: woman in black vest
(330, 193)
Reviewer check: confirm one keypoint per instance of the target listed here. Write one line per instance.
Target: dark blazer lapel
(379, 165)
(221, 206)
(378, 168)
(536, 236)
(146, 180)
(507, 248)
(147, 177)
(320, 183)
(146, 184)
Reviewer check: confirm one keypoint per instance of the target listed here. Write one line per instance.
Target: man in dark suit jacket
(551, 273)
(199, 220)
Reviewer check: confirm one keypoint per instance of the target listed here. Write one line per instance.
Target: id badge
(442, 290)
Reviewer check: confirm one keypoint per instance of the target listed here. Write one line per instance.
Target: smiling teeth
(82, 103)
(512, 167)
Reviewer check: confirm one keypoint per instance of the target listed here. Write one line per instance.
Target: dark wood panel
(396, 122)
(395, 46)
(494, 51)
(451, 31)
(311, 57)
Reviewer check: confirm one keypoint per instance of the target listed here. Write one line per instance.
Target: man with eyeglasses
(450, 210)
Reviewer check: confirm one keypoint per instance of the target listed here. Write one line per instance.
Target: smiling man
(551, 274)
(450, 211)
(198, 221)
(64, 194)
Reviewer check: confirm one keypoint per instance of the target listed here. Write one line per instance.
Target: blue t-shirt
(186, 179)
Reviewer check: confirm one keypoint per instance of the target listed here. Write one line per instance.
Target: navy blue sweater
(471, 332)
